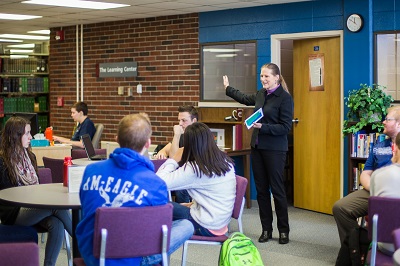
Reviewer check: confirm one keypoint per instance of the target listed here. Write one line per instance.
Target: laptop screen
(87, 143)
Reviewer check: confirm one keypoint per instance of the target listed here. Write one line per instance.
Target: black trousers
(268, 169)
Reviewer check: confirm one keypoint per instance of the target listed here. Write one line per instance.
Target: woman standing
(269, 145)
(207, 173)
(18, 167)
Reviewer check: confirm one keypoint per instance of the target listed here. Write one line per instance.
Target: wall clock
(354, 23)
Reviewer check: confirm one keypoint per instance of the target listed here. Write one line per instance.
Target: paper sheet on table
(75, 175)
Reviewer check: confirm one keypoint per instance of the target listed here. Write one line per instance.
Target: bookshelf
(24, 86)
(359, 147)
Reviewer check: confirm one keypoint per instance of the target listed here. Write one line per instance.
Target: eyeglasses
(389, 119)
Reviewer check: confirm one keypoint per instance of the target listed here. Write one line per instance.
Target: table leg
(76, 217)
(246, 169)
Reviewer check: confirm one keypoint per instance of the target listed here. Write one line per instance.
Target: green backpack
(239, 250)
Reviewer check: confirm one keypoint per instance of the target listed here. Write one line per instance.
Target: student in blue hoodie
(108, 184)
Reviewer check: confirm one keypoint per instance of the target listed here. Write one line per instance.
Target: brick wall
(166, 50)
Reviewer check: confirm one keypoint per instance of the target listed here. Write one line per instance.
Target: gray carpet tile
(314, 241)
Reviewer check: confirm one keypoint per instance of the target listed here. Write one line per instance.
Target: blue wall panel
(258, 23)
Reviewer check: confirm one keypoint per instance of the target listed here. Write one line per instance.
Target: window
(237, 61)
(387, 55)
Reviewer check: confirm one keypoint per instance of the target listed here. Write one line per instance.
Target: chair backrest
(158, 163)
(56, 166)
(97, 135)
(396, 238)
(388, 211)
(241, 185)
(81, 153)
(24, 253)
(132, 231)
(44, 175)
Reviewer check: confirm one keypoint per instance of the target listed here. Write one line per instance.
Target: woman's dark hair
(202, 153)
(11, 149)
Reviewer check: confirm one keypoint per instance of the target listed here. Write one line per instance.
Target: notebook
(91, 153)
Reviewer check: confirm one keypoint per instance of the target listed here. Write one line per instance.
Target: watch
(354, 22)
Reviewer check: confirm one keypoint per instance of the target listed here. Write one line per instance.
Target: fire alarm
(60, 35)
(60, 101)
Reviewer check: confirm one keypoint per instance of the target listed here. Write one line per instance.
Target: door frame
(276, 58)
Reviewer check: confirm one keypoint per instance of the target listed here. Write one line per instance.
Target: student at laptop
(79, 112)
(187, 115)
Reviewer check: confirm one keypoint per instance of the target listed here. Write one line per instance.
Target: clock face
(354, 23)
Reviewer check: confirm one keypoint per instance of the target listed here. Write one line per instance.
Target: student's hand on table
(60, 139)
(160, 155)
(226, 81)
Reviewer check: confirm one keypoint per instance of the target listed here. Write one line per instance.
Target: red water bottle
(67, 163)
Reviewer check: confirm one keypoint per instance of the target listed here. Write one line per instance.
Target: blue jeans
(182, 196)
(183, 212)
(181, 231)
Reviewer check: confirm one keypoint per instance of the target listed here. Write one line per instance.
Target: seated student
(79, 112)
(208, 174)
(108, 183)
(385, 182)
(187, 115)
(16, 233)
(19, 168)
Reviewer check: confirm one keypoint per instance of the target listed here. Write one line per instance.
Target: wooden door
(317, 135)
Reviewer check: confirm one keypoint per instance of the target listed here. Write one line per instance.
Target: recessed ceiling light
(47, 32)
(26, 45)
(17, 17)
(7, 40)
(75, 3)
(20, 51)
(24, 37)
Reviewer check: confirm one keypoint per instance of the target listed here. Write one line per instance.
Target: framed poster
(219, 136)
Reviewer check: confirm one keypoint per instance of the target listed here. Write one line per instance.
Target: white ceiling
(63, 16)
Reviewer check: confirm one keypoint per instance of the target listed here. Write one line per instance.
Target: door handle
(296, 120)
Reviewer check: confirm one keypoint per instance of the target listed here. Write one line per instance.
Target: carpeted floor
(314, 241)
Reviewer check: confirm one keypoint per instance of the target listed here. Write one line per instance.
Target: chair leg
(184, 253)
(68, 248)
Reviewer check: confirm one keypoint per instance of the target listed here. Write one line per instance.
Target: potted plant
(367, 107)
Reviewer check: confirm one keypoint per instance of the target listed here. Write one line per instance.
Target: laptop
(90, 151)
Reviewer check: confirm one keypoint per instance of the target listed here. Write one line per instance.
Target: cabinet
(24, 86)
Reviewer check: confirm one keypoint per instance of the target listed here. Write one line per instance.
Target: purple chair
(396, 238)
(129, 232)
(44, 175)
(24, 253)
(57, 168)
(241, 185)
(158, 163)
(81, 153)
(385, 213)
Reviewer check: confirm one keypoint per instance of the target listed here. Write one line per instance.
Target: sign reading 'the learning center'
(122, 69)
